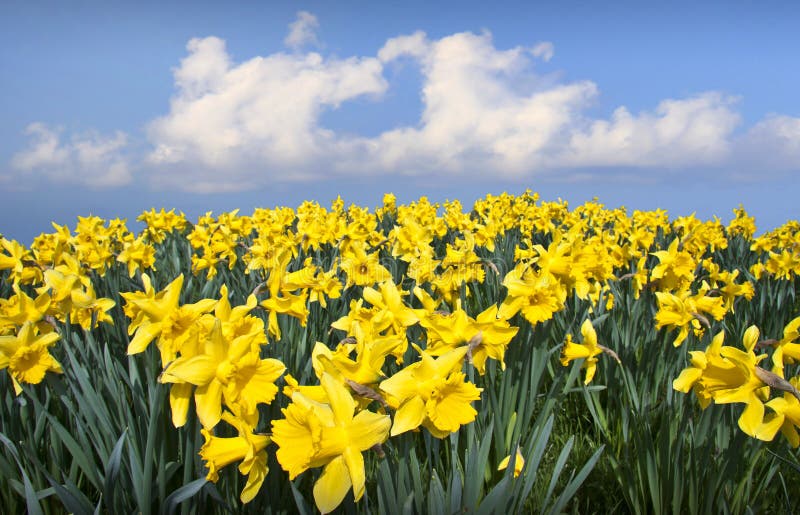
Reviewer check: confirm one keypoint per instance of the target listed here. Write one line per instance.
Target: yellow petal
(341, 402)
(197, 370)
(332, 485)
(686, 379)
(144, 335)
(355, 466)
(752, 417)
(769, 428)
(179, 396)
(368, 429)
(591, 367)
(452, 407)
(258, 471)
(208, 403)
(409, 416)
(750, 338)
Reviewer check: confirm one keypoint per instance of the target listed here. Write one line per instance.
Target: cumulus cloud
(303, 31)
(238, 125)
(89, 159)
(262, 113)
(685, 132)
(772, 143)
(475, 117)
(483, 108)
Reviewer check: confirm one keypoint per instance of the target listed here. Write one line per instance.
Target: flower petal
(332, 485)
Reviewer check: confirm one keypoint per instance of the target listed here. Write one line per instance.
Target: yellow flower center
(26, 358)
(225, 371)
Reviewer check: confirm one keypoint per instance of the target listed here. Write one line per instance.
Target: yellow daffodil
(537, 296)
(18, 260)
(588, 349)
(675, 270)
(330, 435)
(787, 409)
(247, 447)
(391, 313)
(686, 311)
(519, 463)
(787, 348)
(160, 316)
(230, 370)
(20, 308)
(446, 332)
(366, 368)
(362, 268)
(432, 393)
(729, 375)
(27, 357)
(137, 254)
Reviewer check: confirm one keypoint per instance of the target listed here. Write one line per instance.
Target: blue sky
(112, 108)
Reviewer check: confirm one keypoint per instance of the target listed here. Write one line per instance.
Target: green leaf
(72, 498)
(31, 499)
(572, 487)
(112, 469)
(81, 459)
(182, 494)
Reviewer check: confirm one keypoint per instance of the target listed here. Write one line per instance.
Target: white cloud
(415, 45)
(483, 109)
(687, 132)
(475, 118)
(544, 50)
(89, 159)
(238, 125)
(772, 143)
(302, 31)
(262, 113)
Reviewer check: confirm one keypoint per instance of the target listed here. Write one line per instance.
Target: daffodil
(685, 311)
(392, 313)
(432, 393)
(15, 258)
(489, 335)
(700, 362)
(248, 448)
(20, 308)
(159, 316)
(519, 463)
(230, 370)
(27, 357)
(87, 308)
(729, 375)
(588, 349)
(787, 409)
(537, 296)
(675, 270)
(365, 369)
(787, 348)
(363, 268)
(137, 254)
(329, 435)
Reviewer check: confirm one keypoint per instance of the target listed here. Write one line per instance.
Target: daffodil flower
(446, 332)
(727, 375)
(247, 447)
(432, 393)
(330, 435)
(588, 349)
(159, 316)
(27, 357)
(232, 370)
(519, 463)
